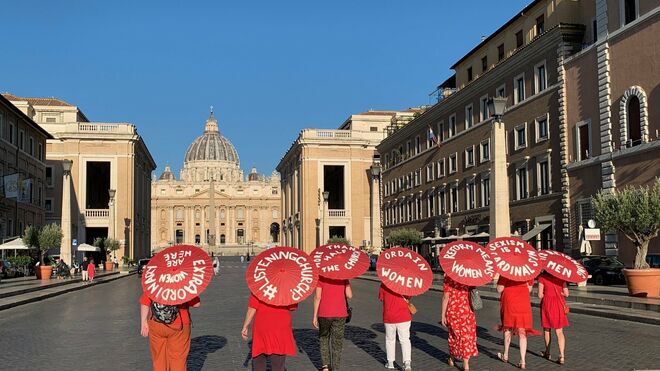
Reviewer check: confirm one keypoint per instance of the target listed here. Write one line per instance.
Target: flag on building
(432, 137)
(11, 185)
(25, 194)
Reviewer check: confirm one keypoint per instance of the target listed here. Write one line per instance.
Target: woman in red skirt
(272, 335)
(516, 315)
(461, 324)
(553, 293)
(91, 270)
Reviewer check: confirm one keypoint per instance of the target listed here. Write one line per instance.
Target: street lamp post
(500, 220)
(111, 213)
(65, 248)
(326, 196)
(375, 205)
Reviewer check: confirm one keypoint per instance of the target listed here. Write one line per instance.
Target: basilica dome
(211, 146)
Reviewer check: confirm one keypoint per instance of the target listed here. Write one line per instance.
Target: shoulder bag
(475, 299)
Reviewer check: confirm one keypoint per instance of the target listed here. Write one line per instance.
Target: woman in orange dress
(460, 321)
(552, 292)
(516, 315)
(91, 270)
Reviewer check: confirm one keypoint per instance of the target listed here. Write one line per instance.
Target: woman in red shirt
(397, 319)
(91, 270)
(169, 343)
(553, 293)
(330, 314)
(272, 335)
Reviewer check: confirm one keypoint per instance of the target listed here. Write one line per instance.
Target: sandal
(325, 368)
(501, 357)
(560, 360)
(450, 361)
(546, 355)
(521, 366)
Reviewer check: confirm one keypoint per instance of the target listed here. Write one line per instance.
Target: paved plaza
(98, 329)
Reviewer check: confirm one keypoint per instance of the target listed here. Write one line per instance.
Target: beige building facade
(212, 204)
(106, 190)
(331, 182)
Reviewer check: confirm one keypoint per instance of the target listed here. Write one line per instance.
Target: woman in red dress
(461, 324)
(272, 335)
(516, 315)
(553, 293)
(91, 270)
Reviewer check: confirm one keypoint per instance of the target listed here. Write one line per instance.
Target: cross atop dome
(211, 123)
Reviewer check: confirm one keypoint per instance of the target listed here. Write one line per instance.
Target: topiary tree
(111, 245)
(339, 239)
(404, 237)
(31, 237)
(50, 237)
(635, 212)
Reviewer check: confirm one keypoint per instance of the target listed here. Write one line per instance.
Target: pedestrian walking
(272, 334)
(83, 270)
(216, 265)
(242, 259)
(553, 293)
(459, 318)
(168, 329)
(397, 319)
(330, 313)
(91, 270)
(516, 315)
(115, 262)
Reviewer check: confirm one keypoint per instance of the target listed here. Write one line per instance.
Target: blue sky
(269, 68)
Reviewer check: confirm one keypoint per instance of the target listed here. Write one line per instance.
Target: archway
(275, 232)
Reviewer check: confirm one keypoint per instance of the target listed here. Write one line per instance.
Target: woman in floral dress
(460, 321)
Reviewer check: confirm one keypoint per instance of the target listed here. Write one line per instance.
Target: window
(521, 136)
(418, 145)
(468, 116)
(429, 173)
(21, 141)
(629, 11)
(485, 191)
(483, 108)
(48, 205)
(429, 137)
(31, 146)
(485, 150)
(50, 120)
(452, 163)
(540, 24)
(469, 157)
(441, 132)
(49, 176)
(543, 170)
(373, 128)
(500, 52)
(594, 31)
(442, 208)
(430, 209)
(501, 91)
(519, 39)
(418, 207)
(519, 89)
(484, 63)
(12, 138)
(541, 128)
(452, 125)
(633, 124)
(441, 168)
(521, 183)
(583, 143)
(418, 177)
(470, 195)
(540, 80)
(408, 149)
(469, 73)
(40, 152)
(274, 191)
(453, 199)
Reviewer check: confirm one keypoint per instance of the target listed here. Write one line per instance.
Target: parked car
(653, 260)
(141, 264)
(604, 270)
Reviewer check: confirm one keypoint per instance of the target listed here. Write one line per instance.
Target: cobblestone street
(98, 329)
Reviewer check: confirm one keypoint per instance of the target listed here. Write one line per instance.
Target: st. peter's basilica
(212, 204)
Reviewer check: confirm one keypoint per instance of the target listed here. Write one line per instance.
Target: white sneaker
(390, 366)
(406, 366)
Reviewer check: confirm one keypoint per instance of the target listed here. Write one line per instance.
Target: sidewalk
(601, 301)
(24, 290)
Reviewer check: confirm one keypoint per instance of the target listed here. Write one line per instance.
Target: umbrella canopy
(339, 261)
(177, 274)
(467, 263)
(88, 248)
(404, 271)
(282, 276)
(514, 258)
(15, 244)
(563, 266)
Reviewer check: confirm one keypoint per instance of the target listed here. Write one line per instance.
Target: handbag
(475, 300)
(559, 295)
(411, 307)
(349, 309)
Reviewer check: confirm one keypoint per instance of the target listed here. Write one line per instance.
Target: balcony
(342, 135)
(338, 213)
(96, 217)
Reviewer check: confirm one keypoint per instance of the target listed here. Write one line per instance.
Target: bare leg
(466, 363)
(507, 343)
(561, 340)
(547, 336)
(523, 345)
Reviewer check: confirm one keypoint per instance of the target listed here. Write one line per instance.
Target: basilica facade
(213, 204)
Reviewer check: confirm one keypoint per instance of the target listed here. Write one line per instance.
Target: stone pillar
(65, 247)
(375, 212)
(111, 217)
(500, 219)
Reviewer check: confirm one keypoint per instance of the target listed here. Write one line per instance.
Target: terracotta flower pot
(108, 266)
(44, 272)
(643, 282)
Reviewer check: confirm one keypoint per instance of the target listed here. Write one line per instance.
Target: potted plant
(49, 237)
(635, 212)
(111, 245)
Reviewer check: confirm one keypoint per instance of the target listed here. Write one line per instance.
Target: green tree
(404, 237)
(31, 236)
(635, 212)
(111, 245)
(50, 237)
(339, 239)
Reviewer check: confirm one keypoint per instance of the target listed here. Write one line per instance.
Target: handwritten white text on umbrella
(561, 269)
(463, 271)
(350, 264)
(192, 287)
(517, 247)
(401, 254)
(306, 274)
(175, 259)
(397, 278)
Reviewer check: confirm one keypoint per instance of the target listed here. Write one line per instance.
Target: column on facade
(202, 235)
(375, 212)
(65, 249)
(172, 227)
(189, 216)
(231, 233)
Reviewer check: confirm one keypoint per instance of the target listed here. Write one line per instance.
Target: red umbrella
(563, 266)
(282, 276)
(514, 258)
(404, 271)
(467, 263)
(339, 261)
(177, 274)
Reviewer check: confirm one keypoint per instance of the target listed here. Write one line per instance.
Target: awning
(535, 231)
(452, 237)
(481, 235)
(15, 244)
(427, 239)
(88, 248)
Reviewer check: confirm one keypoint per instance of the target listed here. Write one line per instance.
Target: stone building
(22, 171)
(561, 66)
(344, 164)
(212, 204)
(97, 177)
